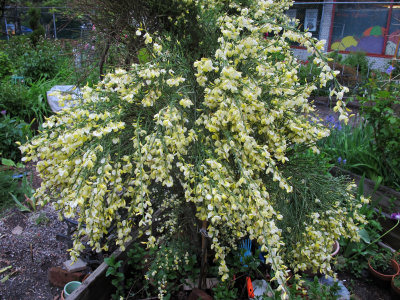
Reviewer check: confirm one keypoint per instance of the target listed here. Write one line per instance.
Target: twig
(31, 252)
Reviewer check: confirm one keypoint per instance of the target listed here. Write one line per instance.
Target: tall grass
(353, 148)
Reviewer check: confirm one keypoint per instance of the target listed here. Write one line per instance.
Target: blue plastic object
(245, 244)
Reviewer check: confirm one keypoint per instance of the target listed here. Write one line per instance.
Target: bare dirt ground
(28, 244)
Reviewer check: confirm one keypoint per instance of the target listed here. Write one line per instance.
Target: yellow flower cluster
(219, 143)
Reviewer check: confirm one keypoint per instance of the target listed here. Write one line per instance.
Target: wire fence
(369, 26)
(56, 24)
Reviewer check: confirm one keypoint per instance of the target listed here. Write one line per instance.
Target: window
(360, 27)
(394, 31)
(309, 16)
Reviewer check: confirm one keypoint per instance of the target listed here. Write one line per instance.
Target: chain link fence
(56, 24)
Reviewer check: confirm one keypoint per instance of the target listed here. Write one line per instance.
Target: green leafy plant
(168, 267)
(5, 65)
(118, 276)
(318, 291)
(381, 261)
(28, 193)
(351, 147)
(11, 131)
(42, 219)
(355, 255)
(223, 291)
(34, 23)
(380, 107)
(14, 185)
(396, 281)
(309, 289)
(359, 61)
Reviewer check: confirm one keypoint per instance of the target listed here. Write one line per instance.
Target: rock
(17, 230)
(53, 98)
(60, 277)
(190, 284)
(79, 265)
(199, 294)
(342, 294)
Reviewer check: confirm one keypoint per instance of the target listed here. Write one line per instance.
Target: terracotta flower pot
(395, 289)
(336, 248)
(384, 277)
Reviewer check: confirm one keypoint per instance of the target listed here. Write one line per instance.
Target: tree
(220, 135)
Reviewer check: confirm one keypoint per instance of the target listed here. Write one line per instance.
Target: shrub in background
(5, 65)
(34, 23)
(11, 131)
(381, 109)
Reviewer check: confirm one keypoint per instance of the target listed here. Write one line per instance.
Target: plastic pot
(70, 287)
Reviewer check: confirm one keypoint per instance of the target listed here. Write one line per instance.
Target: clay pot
(336, 248)
(395, 289)
(384, 277)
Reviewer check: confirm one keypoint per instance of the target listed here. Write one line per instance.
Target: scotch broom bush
(223, 133)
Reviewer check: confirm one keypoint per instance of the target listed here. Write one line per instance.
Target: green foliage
(396, 281)
(357, 60)
(27, 191)
(322, 292)
(42, 62)
(28, 103)
(12, 130)
(44, 59)
(42, 219)
(356, 254)
(380, 107)
(118, 276)
(11, 185)
(34, 23)
(7, 184)
(336, 56)
(310, 289)
(167, 268)
(381, 261)
(351, 147)
(223, 291)
(308, 72)
(5, 65)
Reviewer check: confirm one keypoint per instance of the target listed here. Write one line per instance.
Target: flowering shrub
(221, 134)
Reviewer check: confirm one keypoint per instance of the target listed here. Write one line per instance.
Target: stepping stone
(17, 230)
(79, 265)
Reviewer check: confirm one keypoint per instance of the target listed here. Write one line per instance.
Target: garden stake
(202, 278)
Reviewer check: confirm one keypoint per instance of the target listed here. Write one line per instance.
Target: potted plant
(396, 284)
(382, 266)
